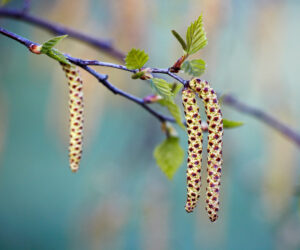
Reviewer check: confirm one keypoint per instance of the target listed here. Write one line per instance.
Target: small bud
(147, 74)
(177, 65)
(152, 98)
(36, 49)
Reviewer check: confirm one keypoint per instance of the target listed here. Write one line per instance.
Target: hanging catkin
(193, 172)
(214, 147)
(76, 115)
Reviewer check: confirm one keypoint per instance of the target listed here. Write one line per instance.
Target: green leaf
(195, 37)
(162, 87)
(173, 109)
(169, 156)
(136, 59)
(231, 124)
(47, 46)
(58, 56)
(179, 39)
(194, 67)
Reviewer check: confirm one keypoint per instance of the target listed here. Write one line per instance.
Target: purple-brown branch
(17, 38)
(100, 77)
(103, 79)
(262, 116)
(57, 29)
(122, 67)
(227, 99)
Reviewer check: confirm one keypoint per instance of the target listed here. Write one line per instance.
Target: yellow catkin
(193, 172)
(215, 143)
(76, 115)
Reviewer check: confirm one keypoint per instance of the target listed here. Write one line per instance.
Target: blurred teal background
(120, 199)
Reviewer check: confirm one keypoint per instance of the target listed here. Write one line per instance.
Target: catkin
(195, 140)
(76, 115)
(215, 143)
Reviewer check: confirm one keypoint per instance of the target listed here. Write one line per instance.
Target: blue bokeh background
(120, 199)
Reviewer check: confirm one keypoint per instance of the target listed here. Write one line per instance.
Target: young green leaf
(231, 124)
(173, 109)
(195, 37)
(58, 56)
(47, 46)
(136, 59)
(162, 87)
(179, 39)
(169, 156)
(194, 67)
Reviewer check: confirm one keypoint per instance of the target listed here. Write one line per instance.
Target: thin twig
(19, 39)
(103, 64)
(168, 72)
(227, 99)
(60, 30)
(57, 29)
(262, 116)
(100, 77)
(103, 79)
(122, 67)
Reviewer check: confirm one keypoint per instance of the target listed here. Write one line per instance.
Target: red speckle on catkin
(76, 115)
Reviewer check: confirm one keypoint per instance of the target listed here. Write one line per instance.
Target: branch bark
(100, 77)
(57, 29)
(262, 116)
(229, 100)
